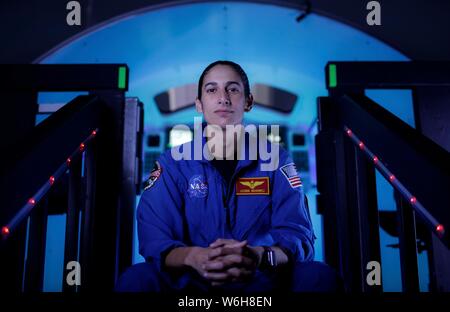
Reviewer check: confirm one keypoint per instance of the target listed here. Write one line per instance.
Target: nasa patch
(290, 173)
(154, 175)
(198, 187)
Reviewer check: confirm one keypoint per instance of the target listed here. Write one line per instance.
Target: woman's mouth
(223, 112)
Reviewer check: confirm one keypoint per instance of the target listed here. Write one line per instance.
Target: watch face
(268, 261)
(271, 258)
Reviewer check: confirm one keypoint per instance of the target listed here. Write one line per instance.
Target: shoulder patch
(154, 175)
(290, 173)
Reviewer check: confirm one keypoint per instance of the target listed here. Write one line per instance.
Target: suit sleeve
(159, 214)
(291, 223)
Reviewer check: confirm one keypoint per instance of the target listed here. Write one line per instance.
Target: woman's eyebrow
(210, 83)
(233, 82)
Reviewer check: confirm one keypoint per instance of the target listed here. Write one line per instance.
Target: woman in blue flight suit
(206, 223)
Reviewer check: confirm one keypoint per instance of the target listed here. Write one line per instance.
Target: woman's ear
(248, 103)
(198, 105)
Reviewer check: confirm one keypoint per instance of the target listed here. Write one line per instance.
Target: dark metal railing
(85, 155)
(356, 137)
(431, 222)
(27, 208)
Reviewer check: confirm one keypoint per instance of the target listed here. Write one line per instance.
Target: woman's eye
(210, 90)
(233, 90)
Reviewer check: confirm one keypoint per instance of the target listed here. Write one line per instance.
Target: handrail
(431, 222)
(52, 140)
(405, 149)
(27, 208)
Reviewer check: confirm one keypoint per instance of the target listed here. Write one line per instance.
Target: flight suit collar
(244, 160)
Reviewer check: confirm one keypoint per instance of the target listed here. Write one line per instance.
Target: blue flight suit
(190, 204)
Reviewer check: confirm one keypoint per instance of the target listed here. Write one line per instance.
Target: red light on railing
(391, 177)
(51, 180)
(361, 145)
(349, 132)
(440, 229)
(5, 230)
(68, 161)
(413, 200)
(94, 133)
(82, 147)
(375, 159)
(31, 201)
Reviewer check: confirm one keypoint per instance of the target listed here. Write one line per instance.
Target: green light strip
(122, 77)
(332, 77)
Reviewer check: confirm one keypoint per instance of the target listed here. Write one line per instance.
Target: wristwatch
(268, 261)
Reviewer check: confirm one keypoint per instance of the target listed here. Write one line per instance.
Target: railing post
(346, 184)
(86, 239)
(331, 185)
(35, 257)
(431, 114)
(17, 121)
(108, 192)
(72, 219)
(407, 245)
(363, 216)
(130, 184)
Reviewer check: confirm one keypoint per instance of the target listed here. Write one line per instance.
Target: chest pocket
(251, 205)
(253, 213)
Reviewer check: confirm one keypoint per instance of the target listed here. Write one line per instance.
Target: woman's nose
(224, 98)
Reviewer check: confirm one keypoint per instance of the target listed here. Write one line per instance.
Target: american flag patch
(290, 172)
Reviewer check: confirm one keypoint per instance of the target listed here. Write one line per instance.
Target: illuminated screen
(178, 137)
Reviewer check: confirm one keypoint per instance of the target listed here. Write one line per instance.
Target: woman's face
(223, 100)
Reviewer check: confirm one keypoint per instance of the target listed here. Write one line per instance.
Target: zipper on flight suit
(229, 190)
(226, 198)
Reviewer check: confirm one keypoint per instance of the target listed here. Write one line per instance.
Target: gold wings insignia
(252, 184)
